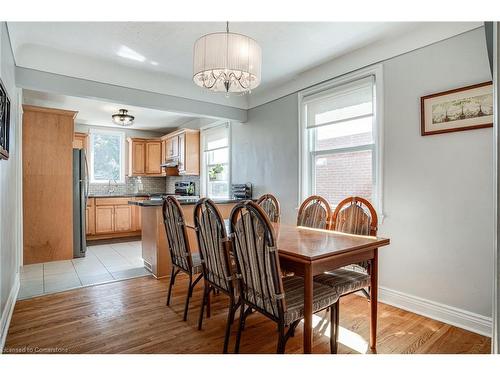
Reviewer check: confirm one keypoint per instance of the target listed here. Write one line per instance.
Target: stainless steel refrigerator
(80, 196)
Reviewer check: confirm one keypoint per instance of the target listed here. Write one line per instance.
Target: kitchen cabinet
(123, 218)
(153, 157)
(113, 217)
(90, 217)
(182, 147)
(80, 141)
(104, 219)
(137, 157)
(145, 157)
(47, 172)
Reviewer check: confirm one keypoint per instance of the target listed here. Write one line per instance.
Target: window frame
(204, 164)
(121, 134)
(306, 172)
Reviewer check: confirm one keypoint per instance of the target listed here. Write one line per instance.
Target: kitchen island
(155, 252)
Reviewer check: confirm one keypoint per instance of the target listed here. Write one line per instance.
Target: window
(340, 147)
(216, 159)
(107, 156)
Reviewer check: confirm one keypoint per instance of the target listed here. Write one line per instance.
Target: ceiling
(165, 48)
(98, 113)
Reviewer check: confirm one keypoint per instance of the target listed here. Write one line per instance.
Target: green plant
(214, 171)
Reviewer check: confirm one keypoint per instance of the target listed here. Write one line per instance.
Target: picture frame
(464, 108)
(4, 122)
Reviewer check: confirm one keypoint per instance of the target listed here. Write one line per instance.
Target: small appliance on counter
(242, 191)
(184, 191)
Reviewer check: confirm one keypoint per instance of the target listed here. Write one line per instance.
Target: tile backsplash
(150, 185)
(171, 180)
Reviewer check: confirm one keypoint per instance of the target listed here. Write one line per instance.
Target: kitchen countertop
(122, 195)
(159, 202)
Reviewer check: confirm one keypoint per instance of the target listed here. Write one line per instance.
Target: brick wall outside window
(343, 174)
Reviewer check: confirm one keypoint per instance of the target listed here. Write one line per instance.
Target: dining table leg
(373, 300)
(308, 309)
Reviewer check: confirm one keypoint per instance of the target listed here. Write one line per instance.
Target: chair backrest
(213, 245)
(257, 261)
(314, 212)
(355, 215)
(271, 207)
(177, 238)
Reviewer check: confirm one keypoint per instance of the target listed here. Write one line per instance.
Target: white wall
(438, 189)
(10, 194)
(265, 152)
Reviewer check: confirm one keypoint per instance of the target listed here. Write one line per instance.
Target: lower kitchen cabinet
(112, 217)
(123, 218)
(104, 219)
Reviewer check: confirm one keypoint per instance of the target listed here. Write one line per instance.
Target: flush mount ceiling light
(227, 62)
(123, 118)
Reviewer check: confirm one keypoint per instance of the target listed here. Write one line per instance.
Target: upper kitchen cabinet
(145, 156)
(181, 152)
(80, 141)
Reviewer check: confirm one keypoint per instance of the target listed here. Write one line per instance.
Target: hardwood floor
(131, 317)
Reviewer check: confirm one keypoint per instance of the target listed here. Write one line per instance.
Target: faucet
(111, 190)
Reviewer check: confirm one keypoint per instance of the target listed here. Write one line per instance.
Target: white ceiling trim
(363, 57)
(93, 69)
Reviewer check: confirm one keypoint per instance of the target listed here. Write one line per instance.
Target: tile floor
(102, 263)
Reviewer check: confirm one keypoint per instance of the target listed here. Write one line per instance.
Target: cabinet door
(104, 219)
(153, 157)
(136, 217)
(123, 218)
(172, 147)
(87, 223)
(138, 157)
(182, 152)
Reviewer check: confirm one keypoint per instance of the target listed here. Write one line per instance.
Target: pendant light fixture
(227, 62)
(123, 118)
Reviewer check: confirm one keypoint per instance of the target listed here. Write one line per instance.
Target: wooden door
(104, 219)
(153, 157)
(138, 157)
(123, 218)
(136, 216)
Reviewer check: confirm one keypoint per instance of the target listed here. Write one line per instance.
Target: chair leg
(230, 318)
(206, 292)
(334, 327)
(281, 339)
(240, 328)
(170, 284)
(186, 307)
(208, 301)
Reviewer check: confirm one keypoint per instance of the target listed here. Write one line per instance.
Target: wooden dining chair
(353, 215)
(180, 252)
(214, 248)
(271, 207)
(262, 287)
(314, 212)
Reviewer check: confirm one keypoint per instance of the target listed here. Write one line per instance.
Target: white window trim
(305, 174)
(122, 155)
(203, 170)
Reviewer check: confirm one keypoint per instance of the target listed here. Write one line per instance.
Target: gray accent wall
(265, 152)
(438, 190)
(10, 192)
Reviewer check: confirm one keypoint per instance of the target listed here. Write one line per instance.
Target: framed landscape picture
(466, 108)
(4, 122)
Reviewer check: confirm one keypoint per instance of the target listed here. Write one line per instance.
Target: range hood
(170, 163)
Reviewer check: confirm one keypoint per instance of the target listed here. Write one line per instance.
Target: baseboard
(7, 312)
(437, 311)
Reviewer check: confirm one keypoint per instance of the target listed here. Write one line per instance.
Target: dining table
(308, 252)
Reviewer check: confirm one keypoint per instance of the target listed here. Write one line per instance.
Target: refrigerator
(80, 196)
